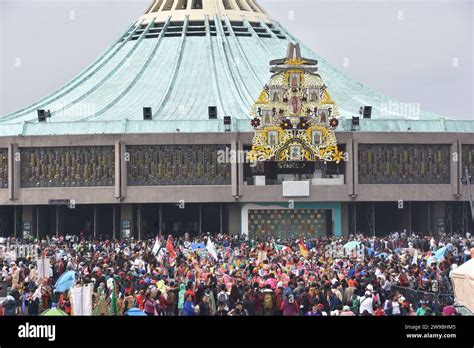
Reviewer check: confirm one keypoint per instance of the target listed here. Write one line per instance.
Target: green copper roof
(179, 73)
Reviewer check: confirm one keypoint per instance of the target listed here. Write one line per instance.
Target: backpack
(222, 298)
(355, 304)
(268, 301)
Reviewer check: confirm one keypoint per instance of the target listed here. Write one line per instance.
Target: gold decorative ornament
(297, 115)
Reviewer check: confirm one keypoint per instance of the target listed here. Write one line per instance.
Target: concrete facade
(238, 193)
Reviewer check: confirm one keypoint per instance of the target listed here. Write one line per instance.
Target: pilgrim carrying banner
(44, 268)
(81, 300)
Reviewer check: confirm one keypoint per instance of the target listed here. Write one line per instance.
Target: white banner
(211, 249)
(44, 268)
(81, 300)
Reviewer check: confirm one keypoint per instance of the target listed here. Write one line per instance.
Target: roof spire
(293, 60)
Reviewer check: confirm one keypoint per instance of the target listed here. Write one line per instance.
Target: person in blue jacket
(188, 309)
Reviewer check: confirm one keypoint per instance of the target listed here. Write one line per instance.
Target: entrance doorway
(80, 219)
(178, 221)
(7, 221)
(287, 224)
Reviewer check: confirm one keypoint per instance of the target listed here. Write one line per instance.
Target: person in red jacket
(190, 292)
(163, 304)
(140, 299)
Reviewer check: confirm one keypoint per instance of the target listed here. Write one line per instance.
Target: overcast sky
(414, 51)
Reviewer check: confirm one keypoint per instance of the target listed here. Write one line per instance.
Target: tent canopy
(463, 282)
(54, 312)
(464, 271)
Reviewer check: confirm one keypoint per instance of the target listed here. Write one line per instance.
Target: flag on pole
(281, 248)
(170, 248)
(114, 299)
(303, 249)
(211, 249)
(156, 247)
(161, 254)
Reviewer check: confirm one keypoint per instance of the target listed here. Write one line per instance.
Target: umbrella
(352, 245)
(54, 312)
(135, 312)
(65, 282)
(440, 253)
(198, 246)
(430, 260)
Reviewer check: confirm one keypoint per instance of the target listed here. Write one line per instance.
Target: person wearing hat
(346, 312)
(422, 310)
(238, 311)
(366, 303)
(172, 300)
(10, 306)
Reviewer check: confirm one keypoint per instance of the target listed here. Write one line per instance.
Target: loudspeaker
(227, 120)
(213, 112)
(43, 115)
(147, 114)
(367, 112)
(355, 121)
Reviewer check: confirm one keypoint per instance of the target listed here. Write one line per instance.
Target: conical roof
(180, 58)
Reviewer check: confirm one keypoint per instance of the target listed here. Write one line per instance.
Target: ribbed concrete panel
(185, 60)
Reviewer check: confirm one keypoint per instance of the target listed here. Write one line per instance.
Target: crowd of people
(228, 275)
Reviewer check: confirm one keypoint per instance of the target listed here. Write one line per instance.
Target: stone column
(235, 170)
(235, 218)
(14, 179)
(345, 218)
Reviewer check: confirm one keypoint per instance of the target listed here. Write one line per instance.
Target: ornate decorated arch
(294, 117)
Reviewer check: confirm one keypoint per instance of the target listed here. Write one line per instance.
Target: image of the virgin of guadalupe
(295, 80)
(295, 106)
